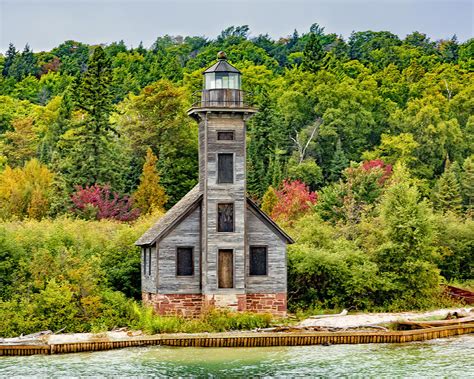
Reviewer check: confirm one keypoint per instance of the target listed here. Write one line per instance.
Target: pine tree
(447, 194)
(467, 182)
(90, 153)
(338, 163)
(150, 195)
(9, 57)
(313, 54)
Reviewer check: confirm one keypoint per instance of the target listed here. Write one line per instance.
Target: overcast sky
(44, 24)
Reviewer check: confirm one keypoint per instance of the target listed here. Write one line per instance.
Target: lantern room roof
(221, 65)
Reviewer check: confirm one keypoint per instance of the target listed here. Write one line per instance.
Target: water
(450, 357)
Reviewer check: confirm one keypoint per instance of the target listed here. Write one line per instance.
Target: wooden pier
(251, 339)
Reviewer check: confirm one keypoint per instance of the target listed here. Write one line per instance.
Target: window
(225, 136)
(225, 168)
(184, 261)
(147, 260)
(225, 217)
(258, 260)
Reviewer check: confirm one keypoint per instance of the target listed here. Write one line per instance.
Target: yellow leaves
(25, 192)
(150, 195)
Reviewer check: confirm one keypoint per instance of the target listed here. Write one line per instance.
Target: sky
(44, 24)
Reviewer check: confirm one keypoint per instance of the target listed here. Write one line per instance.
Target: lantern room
(222, 75)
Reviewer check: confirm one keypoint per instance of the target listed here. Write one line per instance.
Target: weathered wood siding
(260, 234)
(185, 234)
(215, 193)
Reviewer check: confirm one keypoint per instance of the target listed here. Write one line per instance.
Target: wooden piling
(242, 340)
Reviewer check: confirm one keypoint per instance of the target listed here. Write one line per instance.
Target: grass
(212, 321)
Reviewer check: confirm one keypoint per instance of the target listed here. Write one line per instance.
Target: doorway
(226, 268)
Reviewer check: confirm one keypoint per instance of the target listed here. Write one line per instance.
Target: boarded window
(225, 136)
(258, 260)
(225, 168)
(184, 261)
(226, 268)
(225, 217)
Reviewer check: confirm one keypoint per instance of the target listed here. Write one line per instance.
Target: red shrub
(294, 200)
(98, 202)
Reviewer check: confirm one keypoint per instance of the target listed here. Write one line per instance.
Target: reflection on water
(452, 357)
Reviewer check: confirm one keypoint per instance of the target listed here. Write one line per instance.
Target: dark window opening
(145, 267)
(225, 168)
(258, 260)
(184, 264)
(225, 217)
(225, 136)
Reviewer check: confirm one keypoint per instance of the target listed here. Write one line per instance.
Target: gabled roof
(221, 66)
(272, 224)
(171, 218)
(187, 204)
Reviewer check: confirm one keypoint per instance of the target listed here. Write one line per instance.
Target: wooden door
(226, 269)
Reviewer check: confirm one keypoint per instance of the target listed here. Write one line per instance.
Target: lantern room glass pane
(219, 80)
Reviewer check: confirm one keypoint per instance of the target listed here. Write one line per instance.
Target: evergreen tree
(91, 153)
(9, 58)
(447, 194)
(150, 195)
(259, 148)
(23, 64)
(313, 54)
(338, 163)
(467, 182)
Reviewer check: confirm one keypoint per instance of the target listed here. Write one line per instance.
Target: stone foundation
(274, 303)
(187, 305)
(193, 305)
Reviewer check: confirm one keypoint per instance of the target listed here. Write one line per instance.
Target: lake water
(450, 357)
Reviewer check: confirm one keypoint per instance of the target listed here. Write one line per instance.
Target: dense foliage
(362, 149)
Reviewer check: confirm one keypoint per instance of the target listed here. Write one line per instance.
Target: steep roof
(171, 218)
(221, 66)
(183, 207)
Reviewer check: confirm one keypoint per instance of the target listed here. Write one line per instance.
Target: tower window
(225, 136)
(258, 260)
(184, 261)
(225, 168)
(225, 217)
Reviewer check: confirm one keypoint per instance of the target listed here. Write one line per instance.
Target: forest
(363, 150)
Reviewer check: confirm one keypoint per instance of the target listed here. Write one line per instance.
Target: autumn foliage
(150, 195)
(294, 200)
(99, 202)
(25, 191)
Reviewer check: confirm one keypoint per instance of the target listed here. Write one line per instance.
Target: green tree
(447, 192)
(467, 184)
(313, 54)
(10, 56)
(156, 118)
(338, 163)
(407, 256)
(91, 153)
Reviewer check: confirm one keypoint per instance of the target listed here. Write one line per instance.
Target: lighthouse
(215, 248)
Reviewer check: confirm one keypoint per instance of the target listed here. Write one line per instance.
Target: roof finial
(221, 55)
